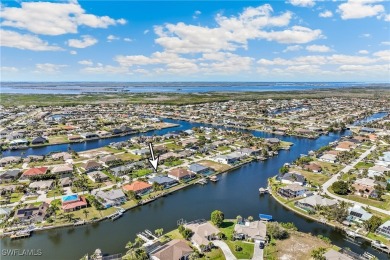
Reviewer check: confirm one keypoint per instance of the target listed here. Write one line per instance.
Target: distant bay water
(170, 87)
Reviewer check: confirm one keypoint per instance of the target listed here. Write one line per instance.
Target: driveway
(258, 254)
(225, 249)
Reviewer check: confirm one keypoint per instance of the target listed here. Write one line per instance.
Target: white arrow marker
(153, 161)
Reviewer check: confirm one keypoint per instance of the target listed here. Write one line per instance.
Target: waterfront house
(39, 140)
(358, 214)
(312, 203)
(32, 172)
(377, 170)
(61, 156)
(9, 175)
(32, 213)
(313, 167)
(345, 146)
(41, 185)
(199, 169)
(293, 177)
(163, 180)
(384, 229)
(273, 141)
(139, 187)
(367, 130)
(110, 198)
(203, 233)
(62, 169)
(292, 191)
(91, 166)
(225, 159)
(9, 160)
(254, 230)
(180, 174)
(141, 152)
(89, 135)
(176, 249)
(109, 159)
(73, 202)
(331, 158)
(97, 176)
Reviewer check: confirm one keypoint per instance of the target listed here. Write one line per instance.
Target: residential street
(334, 178)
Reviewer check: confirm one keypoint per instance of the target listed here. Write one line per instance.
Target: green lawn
(227, 228)
(315, 178)
(223, 148)
(245, 253)
(173, 146)
(142, 172)
(173, 163)
(128, 157)
(330, 167)
(15, 197)
(31, 198)
(363, 165)
(56, 193)
(378, 237)
(215, 254)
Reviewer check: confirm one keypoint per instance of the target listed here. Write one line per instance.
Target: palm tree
(86, 212)
(159, 232)
(138, 241)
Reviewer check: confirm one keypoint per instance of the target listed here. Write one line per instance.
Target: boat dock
(202, 181)
(380, 246)
(21, 234)
(79, 223)
(116, 215)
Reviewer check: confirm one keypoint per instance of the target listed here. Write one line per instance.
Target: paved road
(334, 178)
(258, 254)
(225, 249)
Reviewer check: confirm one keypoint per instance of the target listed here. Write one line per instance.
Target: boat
(202, 181)
(21, 234)
(265, 217)
(214, 178)
(116, 215)
(263, 190)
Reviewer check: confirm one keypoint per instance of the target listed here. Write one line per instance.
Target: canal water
(236, 193)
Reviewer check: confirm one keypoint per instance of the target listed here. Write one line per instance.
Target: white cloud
(365, 35)
(85, 41)
(196, 14)
(364, 52)
(355, 9)
(8, 69)
(48, 67)
(53, 18)
(111, 38)
(233, 32)
(293, 48)
(146, 31)
(127, 39)
(302, 3)
(325, 14)
(73, 52)
(364, 68)
(86, 62)
(385, 43)
(25, 42)
(382, 55)
(318, 48)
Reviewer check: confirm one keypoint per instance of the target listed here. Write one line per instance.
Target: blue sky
(292, 40)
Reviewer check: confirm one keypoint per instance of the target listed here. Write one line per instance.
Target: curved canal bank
(236, 193)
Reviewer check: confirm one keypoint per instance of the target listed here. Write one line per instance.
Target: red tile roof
(36, 171)
(81, 202)
(137, 186)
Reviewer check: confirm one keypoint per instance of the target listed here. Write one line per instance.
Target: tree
(159, 232)
(275, 230)
(284, 170)
(340, 187)
(339, 213)
(250, 218)
(217, 217)
(86, 212)
(372, 224)
(318, 254)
